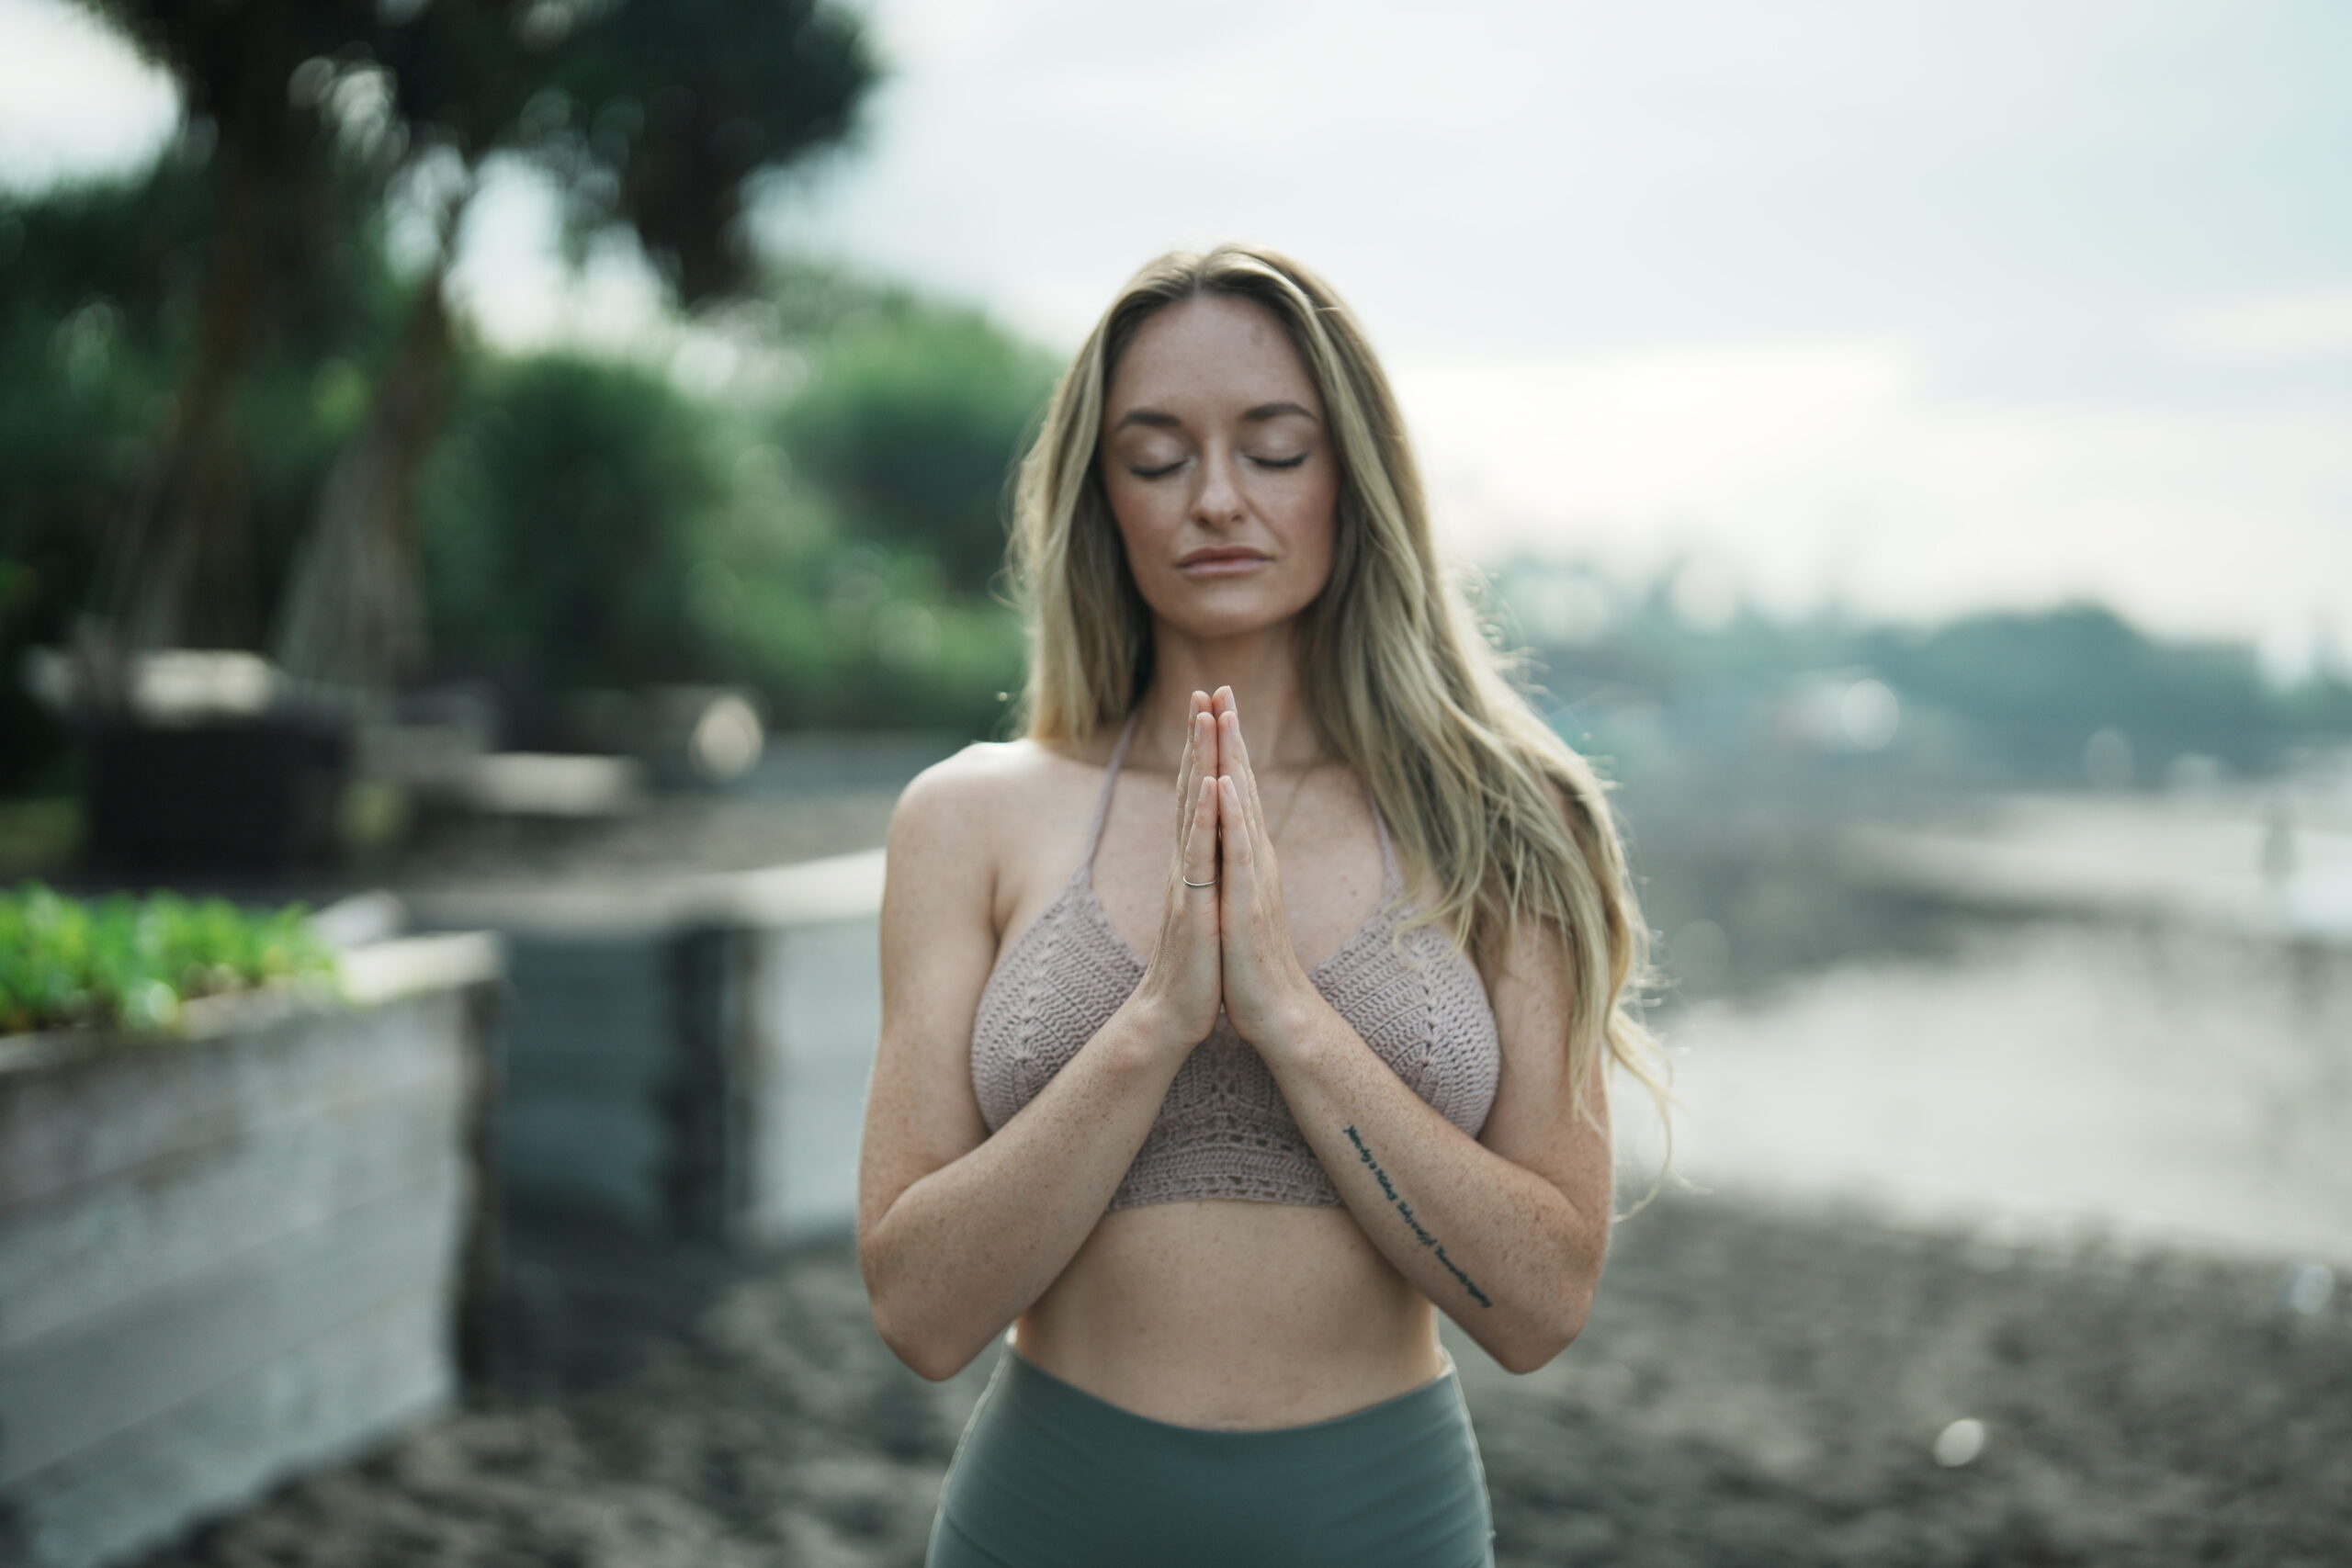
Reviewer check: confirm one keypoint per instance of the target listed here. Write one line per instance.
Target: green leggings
(1047, 1475)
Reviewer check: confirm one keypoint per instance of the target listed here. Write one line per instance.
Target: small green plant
(132, 964)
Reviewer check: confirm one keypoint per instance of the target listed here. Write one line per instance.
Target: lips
(1228, 558)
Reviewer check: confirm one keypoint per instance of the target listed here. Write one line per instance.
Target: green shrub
(562, 515)
(132, 964)
(589, 522)
(911, 421)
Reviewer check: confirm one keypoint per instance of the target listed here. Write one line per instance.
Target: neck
(1264, 670)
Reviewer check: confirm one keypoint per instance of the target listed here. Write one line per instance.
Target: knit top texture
(1225, 1130)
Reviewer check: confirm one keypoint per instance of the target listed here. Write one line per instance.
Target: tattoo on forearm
(1406, 1208)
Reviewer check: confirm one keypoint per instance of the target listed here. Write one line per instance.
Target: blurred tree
(2042, 681)
(98, 287)
(181, 567)
(911, 419)
(566, 511)
(658, 117)
(2028, 688)
(656, 114)
(587, 522)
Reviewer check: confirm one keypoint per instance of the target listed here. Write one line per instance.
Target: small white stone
(1959, 1442)
(2312, 1287)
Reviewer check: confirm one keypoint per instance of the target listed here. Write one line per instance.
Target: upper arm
(1533, 1122)
(938, 943)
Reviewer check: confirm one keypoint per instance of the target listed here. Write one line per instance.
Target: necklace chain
(1296, 791)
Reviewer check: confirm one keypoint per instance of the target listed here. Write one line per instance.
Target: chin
(1231, 619)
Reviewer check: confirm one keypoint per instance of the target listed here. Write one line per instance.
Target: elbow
(932, 1369)
(1540, 1350)
(917, 1345)
(1555, 1333)
(924, 1359)
(922, 1354)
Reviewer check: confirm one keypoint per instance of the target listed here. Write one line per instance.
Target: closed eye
(1168, 469)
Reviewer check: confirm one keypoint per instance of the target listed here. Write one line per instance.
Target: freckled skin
(1208, 362)
(1293, 1309)
(1212, 1313)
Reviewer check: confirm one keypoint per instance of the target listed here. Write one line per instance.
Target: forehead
(1209, 356)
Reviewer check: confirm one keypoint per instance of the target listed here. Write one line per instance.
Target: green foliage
(874, 638)
(662, 113)
(588, 523)
(563, 517)
(910, 422)
(132, 964)
(2321, 705)
(98, 286)
(2047, 679)
(652, 113)
(93, 333)
(2006, 695)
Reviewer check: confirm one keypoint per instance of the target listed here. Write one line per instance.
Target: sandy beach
(1759, 1384)
(1996, 1241)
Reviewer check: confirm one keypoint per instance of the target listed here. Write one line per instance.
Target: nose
(1217, 502)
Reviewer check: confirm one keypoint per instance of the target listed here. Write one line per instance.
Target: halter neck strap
(1390, 869)
(1085, 872)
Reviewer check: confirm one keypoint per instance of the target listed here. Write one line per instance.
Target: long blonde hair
(1403, 685)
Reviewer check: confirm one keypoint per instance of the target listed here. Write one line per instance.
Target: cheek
(1311, 520)
(1141, 511)
(1148, 525)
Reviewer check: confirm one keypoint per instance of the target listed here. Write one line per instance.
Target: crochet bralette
(1225, 1130)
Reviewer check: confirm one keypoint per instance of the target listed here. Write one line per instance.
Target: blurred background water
(536, 459)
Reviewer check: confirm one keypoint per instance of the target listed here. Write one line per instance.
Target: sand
(1759, 1384)
(1771, 1375)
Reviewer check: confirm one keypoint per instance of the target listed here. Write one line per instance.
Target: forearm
(1502, 1250)
(966, 1250)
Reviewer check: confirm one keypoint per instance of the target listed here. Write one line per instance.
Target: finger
(1200, 843)
(1243, 775)
(1188, 803)
(1240, 860)
(1219, 700)
(1200, 749)
(1235, 755)
(1203, 748)
(1186, 769)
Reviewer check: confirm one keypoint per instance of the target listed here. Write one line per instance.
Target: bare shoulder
(969, 813)
(970, 791)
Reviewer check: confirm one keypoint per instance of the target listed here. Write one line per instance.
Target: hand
(1265, 985)
(1182, 988)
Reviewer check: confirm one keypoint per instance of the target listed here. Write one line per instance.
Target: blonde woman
(1255, 1004)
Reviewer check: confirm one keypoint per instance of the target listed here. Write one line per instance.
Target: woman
(1153, 1088)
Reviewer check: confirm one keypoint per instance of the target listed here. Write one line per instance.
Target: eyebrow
(1159, 419)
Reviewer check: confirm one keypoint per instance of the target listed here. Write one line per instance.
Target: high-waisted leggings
(1047, 1475)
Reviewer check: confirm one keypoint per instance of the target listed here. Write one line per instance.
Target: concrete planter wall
(689, 1060)
(230, 1258)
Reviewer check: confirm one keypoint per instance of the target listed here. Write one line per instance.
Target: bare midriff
(1233, 1315)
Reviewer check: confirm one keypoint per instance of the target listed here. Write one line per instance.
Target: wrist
(1295, 1030)
(1149, 1031)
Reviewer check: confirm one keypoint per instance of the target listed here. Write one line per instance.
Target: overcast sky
(1934, 304)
